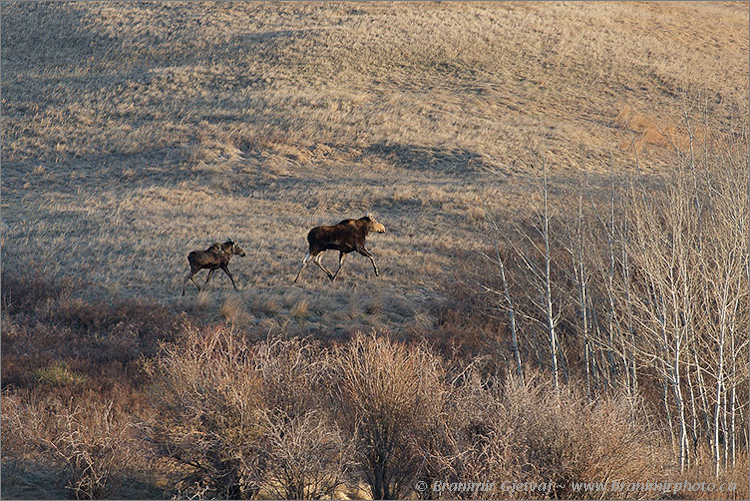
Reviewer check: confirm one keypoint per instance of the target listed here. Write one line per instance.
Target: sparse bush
(93, 448)
(244, 418)
(294, 375)
(90, 446)
(24, 292)
(561, 437)
(210, 420)
(703, 472)
(470, 440)
(307, 457)
(529, 432)
(387, 396)
(15, 443)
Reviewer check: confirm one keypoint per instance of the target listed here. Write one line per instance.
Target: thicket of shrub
(92, 448)
(72, 388)
(629, 284)
(220, 415)
(290, 418)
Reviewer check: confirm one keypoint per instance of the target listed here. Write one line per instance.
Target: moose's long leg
(226, 270)
(317, 259)
(210, 273)
(304, 265)
(189, 277)
(361, 249)
(341, 263)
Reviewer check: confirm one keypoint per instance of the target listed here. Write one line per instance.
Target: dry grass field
(135, 132)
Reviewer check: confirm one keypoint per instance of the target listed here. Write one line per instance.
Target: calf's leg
(189, 277)
(226, 270)
(210, 273)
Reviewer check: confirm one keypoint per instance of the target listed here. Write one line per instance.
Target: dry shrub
(492, 430)
(734, 477)
(50, 338)
(88, 444)
(93, 447)
(470, 440)
(738, 475)
(566, 439)
(16, 417)
(208, 397)
(23, 293)
(244, 419)
(71, 379)
(307, 456)
(293, 373)
(387, 398)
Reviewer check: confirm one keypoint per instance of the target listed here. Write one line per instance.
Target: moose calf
(345, 237)
(215, 257)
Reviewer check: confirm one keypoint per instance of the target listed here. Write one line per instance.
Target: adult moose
(345, 237)
(215, 257)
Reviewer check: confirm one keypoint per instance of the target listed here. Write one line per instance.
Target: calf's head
(232, 248)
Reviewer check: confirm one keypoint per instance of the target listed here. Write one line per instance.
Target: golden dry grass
(136, 132)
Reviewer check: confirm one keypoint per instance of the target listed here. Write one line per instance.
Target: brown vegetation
(564, 289)
(293, 418)
(72, 391)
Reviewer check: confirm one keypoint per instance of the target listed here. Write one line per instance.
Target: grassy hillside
(134, 133)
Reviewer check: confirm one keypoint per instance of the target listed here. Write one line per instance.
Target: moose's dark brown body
(215, 257)
(347, 236)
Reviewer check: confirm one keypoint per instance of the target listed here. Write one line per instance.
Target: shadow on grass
(452, 161)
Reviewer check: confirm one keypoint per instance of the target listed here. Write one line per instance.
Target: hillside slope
(136, 132)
